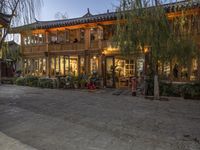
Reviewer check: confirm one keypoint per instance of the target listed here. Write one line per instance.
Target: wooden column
(100, 66)
(87, 64)
(22, 52)
(47, 54)
(79, 65)
(87, 38)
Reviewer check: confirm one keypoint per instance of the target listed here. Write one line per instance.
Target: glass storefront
(94, 65)
(82, 65)
(62, 63)
(67, 66)
(109, 72)
(119, 71)
(52, 64)
(74, 66)
(42, 66)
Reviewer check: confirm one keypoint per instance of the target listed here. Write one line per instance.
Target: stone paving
(50, 119)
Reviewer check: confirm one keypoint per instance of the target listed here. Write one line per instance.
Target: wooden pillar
(79, 65)
(87, 38)
(100, 60)
(103, 69)
(87, 64)
(47, 54)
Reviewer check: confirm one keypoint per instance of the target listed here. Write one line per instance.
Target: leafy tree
(21, 12)
(182, 45)
(144, 26)
(11, 50)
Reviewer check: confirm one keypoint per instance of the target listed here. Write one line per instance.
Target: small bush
(31, 81)
(191, 91)
(170, 89)
(45, 83)
(14, 79)
(20, 81)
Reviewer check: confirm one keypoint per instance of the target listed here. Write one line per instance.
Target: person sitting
(75, 40)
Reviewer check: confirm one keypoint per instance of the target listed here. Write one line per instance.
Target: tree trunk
(171, 71)
(156, 88)
(156, 83)
(189, 69)
(198, 69)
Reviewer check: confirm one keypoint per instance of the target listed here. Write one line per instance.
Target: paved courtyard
(46, 119)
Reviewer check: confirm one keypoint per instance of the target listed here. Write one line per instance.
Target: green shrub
(191, 91)
(170, 89)
(20, 81)
(31, 81)
(46, 83)
(14, 79)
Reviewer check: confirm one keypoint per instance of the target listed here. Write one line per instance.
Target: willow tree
(20, 12)
(144, 24)
(183, 43)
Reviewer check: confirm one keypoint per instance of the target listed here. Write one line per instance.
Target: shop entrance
(110, 72)
(119, 71)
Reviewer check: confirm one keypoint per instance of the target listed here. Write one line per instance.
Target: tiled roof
(89, 18)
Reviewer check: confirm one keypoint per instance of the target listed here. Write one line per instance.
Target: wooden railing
(94, 44)
(66, 46)
(106, 44)
(34, 48)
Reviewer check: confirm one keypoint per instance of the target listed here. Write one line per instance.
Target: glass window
(74, 66)
(40, 38)
(93, 34)
(52, 66)
(94, 64)
(61, 36)
(82, 65)
(57, 65)
(73, 36)
(82, 35)
(120, 68)
(53, 37)
(67, 67)
(40, 66)
(44, 66)
(62, 62)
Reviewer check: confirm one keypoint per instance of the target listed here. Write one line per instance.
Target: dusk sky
(75, 8)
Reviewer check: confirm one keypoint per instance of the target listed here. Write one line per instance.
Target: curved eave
(169, 8)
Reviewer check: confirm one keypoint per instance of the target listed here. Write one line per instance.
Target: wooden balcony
(94, 44)
(106, 44)
(60, 47)
(101, 44)
(66, 46)
(34, 48)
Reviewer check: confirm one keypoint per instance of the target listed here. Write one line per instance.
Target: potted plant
(75, 82)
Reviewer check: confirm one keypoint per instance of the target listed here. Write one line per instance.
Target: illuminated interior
(94, 65)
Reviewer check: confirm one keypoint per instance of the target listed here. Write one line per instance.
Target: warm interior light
(94, 57)
(146, 50)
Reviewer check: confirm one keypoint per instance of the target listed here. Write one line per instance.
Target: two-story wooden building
(81, 46)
